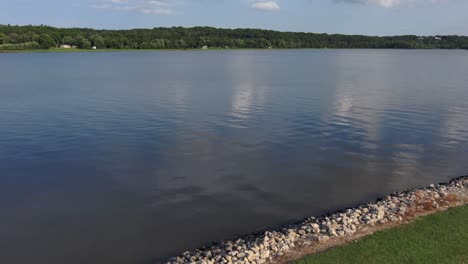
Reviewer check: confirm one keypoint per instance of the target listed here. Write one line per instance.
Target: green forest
(45, 37)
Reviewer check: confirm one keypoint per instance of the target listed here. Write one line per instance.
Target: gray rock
(240, 255)
(265, 254)
(315, 226)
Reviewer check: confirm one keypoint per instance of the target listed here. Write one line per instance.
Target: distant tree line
(44, 37)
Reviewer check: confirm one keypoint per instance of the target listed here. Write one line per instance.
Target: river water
(125, 157)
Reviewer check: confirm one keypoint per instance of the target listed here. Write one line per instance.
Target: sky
(369, 17)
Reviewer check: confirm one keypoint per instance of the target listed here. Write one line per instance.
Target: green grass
(437, 238)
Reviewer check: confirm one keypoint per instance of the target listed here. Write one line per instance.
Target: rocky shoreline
(319, 233)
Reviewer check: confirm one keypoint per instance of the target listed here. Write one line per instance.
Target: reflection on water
(133, 156)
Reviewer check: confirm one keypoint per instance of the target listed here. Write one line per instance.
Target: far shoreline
(61, 50)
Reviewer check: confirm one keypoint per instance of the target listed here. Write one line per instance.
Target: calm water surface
(128, 157)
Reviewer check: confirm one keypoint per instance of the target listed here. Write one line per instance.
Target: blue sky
(372, 17)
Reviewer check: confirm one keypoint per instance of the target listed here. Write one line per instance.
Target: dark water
(126, 157)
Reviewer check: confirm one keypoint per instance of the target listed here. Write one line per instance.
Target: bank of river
(438, 238)
(317, 234)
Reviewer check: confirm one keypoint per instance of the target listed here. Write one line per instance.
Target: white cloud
(159, 3)
(392, 3)
(266, 5)
(118, 1)
(169, 7)
(155, 7)
(156, 11)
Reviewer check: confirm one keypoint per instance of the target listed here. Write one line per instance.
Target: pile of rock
(394, 208)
